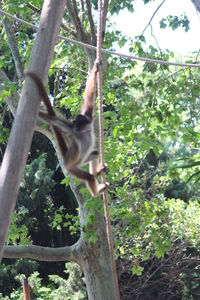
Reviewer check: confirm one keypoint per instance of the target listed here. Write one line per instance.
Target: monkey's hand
(96, 66)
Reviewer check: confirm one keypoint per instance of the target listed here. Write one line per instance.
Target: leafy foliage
(174, 22)
(71, 288)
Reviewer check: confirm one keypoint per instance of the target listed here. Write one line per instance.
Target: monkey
(76, 139)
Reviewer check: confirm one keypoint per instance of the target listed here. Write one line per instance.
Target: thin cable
(18, 19)
(126, 56)
(101, 139)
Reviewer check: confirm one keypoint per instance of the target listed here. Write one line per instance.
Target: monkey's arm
(63, 125)
(88, 102)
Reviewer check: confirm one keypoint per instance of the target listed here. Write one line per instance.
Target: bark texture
(22, 131)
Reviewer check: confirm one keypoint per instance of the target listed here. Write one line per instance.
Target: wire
(126, 56)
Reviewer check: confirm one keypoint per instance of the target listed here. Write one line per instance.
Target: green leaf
(137, 270)
(66, 181)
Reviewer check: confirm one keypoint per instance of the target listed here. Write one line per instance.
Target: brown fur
(78, 146)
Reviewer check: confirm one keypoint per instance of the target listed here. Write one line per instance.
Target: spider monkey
(78, 146)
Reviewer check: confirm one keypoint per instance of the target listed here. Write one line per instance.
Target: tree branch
(69, 30)
(78, 21)
(196, 4)
(73, 17)
(63, 26)
(91, 21)
(34, 8)
(73, 13)
(126, 56)
(157, 9)
(13, 46)
(12, 100)
(70, 253)
(82, 11)
(104, 16)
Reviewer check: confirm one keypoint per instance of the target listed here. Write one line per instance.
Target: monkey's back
(86, 142)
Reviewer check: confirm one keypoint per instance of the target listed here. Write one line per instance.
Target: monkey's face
(81, 122)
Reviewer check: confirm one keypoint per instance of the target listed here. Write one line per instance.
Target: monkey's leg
(92, 156)
(95, 188)
(94, 166)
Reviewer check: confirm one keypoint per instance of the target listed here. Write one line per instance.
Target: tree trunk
(96, 261)
(14, 160)
(98, 275)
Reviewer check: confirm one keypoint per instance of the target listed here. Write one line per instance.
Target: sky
(179, 41)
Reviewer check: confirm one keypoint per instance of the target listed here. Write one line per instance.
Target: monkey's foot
(102, 187)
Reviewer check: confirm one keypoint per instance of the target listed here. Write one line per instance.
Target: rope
(126, 56)
(101, 138)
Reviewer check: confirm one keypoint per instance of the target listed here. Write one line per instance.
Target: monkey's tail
(42, 92)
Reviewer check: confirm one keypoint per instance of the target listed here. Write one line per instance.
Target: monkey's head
(81, 122)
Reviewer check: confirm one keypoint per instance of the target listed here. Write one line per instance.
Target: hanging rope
(101, 139)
